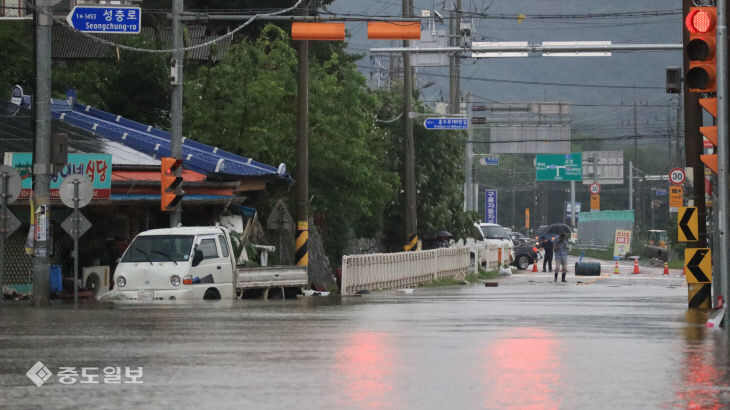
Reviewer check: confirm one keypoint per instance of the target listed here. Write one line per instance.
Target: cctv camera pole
(177, 97)
(42, 167)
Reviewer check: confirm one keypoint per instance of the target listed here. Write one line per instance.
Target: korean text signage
(595, 202)
(490, 206)
(622, 242)
(98, 167)
(446, 123)
(559, 167)
(676, 194)
(121, 20)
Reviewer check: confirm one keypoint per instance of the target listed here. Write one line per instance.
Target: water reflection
(522, 370)
(364, 370)
(704, 380)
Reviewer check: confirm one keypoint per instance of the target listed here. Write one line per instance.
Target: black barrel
(587, 269)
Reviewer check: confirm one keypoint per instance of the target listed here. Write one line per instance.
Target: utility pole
(469, 160)
(42, 167)
(454, 64)
(409, 151)
(302, 173)
(177, 99)
(722, 148)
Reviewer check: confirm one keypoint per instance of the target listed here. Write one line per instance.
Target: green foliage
(439, 176)
(135, 86)
(245, 105)
(16, 57)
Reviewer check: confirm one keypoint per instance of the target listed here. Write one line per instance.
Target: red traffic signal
(701, 22)
(170, 184)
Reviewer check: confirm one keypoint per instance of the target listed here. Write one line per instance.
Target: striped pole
(301, 256)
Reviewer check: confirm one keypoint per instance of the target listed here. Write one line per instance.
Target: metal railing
(382, 271)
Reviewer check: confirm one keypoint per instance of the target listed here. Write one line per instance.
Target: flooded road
(613, 342)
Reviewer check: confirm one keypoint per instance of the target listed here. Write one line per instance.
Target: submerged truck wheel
(212, 294)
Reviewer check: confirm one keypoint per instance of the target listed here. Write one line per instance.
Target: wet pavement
(610, 342)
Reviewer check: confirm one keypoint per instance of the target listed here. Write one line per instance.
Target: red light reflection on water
(521, 371)
(364, 369)
(701, 380)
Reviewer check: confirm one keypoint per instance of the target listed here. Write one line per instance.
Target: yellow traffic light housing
(170, 184)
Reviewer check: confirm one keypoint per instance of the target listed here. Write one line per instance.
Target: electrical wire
(149, 50)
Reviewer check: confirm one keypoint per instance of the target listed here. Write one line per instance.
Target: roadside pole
(722, 146)
(42, 153)
(302, 172)
(409, 149)
(469, 161)
(176, 69)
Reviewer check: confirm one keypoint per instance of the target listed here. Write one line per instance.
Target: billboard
(529, 139)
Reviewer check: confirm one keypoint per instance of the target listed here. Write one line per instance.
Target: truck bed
(271, 277)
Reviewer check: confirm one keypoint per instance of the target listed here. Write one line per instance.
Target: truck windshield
(494, 232)
(159, 248)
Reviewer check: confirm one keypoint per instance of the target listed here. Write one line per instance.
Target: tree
(245, 105)
(439, 176)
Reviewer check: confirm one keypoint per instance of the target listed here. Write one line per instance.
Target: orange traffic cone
(666, 268)
(534, 267)
(636, 266)
(615, 268)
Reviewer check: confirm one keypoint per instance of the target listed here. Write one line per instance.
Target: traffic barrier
(636, 266)
(615, 268)
(666, 268)
(381, 271)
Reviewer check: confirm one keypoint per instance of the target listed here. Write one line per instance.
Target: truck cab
(176, 263)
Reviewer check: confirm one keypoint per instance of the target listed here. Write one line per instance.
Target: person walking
(547, 245)
(560, 248)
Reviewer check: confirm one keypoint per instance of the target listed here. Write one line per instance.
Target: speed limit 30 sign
(677, 176)
(595, 188)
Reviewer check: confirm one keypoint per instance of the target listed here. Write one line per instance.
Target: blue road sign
(661, 191)
(446, 123)
(120, 20)
(489, 160)
(490, 206)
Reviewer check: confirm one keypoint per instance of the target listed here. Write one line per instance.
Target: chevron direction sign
(698, 264)
(688, 224)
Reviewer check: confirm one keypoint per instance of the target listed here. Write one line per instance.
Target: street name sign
(446, 123)
(559, 167)
(489, 160)
(112, 19)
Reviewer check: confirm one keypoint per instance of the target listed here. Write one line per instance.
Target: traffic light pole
(177, 99)
(722, 146)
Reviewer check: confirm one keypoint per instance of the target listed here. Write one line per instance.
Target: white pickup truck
(194, 263)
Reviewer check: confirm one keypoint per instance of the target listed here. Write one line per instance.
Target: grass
(471, 278)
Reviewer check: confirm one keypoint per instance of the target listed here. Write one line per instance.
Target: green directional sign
(559, 167)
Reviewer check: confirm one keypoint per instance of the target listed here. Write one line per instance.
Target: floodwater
(615, 342)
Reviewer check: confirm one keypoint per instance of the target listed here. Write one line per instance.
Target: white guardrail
(381, 271)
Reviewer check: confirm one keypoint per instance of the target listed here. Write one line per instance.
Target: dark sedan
(525, 255)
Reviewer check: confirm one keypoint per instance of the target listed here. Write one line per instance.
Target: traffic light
(701, 22)
(710, 132)
(171, 192)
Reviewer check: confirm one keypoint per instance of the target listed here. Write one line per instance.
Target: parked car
(525, 255)
(522, 238)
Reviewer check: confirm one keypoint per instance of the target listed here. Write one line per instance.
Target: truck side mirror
(197, 257)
